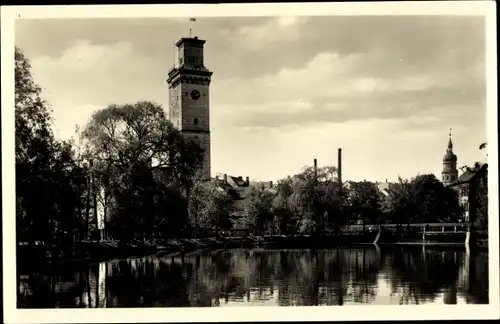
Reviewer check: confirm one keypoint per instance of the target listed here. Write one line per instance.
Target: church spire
(450, 172)
(450, 143)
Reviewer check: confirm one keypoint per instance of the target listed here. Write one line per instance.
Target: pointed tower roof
(450, 143)
(450, 156)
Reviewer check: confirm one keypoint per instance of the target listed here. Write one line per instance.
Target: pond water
(248, 277)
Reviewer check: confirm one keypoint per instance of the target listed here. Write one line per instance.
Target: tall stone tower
(188, 84)
(450, 172)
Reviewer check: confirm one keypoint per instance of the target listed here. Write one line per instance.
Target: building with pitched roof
(386, 188)
(471, 188)
(239, 190)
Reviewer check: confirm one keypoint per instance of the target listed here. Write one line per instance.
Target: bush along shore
(102, 250)
(106, 250)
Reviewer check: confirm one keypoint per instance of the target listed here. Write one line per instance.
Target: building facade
(472, 191)
(239, 190)
(189, 103)
(449, 174)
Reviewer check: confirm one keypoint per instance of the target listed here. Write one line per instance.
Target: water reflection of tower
(93, 286)
(450, 296)
(102, 284)
(95, 292)
(464, 273)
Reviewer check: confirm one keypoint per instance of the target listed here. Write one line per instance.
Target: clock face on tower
(195, 94)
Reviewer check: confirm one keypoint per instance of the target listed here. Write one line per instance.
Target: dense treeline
(307, 203)
(130, 171)
(49, 180)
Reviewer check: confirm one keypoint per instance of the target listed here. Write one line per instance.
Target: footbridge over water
(419, 227)
(432, 233)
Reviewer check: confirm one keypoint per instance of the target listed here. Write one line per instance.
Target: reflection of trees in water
(366, 268)
(418, 275)
(298, 277)
(476, 288)
(35, 291)
(326, 277)
(144, 282)
(413, 274)
(64, 286)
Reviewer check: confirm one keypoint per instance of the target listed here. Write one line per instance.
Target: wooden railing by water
(417, 227)
(418, 233)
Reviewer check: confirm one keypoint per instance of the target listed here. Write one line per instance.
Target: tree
(46, 173)
(304, 197)
(282, 207)
(121, 135)
(34, 138)
(424, 199)
(34, 141)
(307, 225)
(316, 192)
(209, 206)
(144, 165)
(365, 202)
(259, 215)
(435, 202)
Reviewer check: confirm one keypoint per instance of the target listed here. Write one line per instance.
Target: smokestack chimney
(315, 167)
(270, 184)
(248, 180)
(339, 166)
(225, 178)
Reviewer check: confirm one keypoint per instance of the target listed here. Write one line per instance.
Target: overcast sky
(286, 90)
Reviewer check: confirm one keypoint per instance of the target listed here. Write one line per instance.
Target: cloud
(272, 107)
(86, 77)
(272, 31)
(94, 71)
(83, 55)
(340, 88)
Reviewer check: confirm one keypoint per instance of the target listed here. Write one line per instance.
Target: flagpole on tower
(192, 20)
